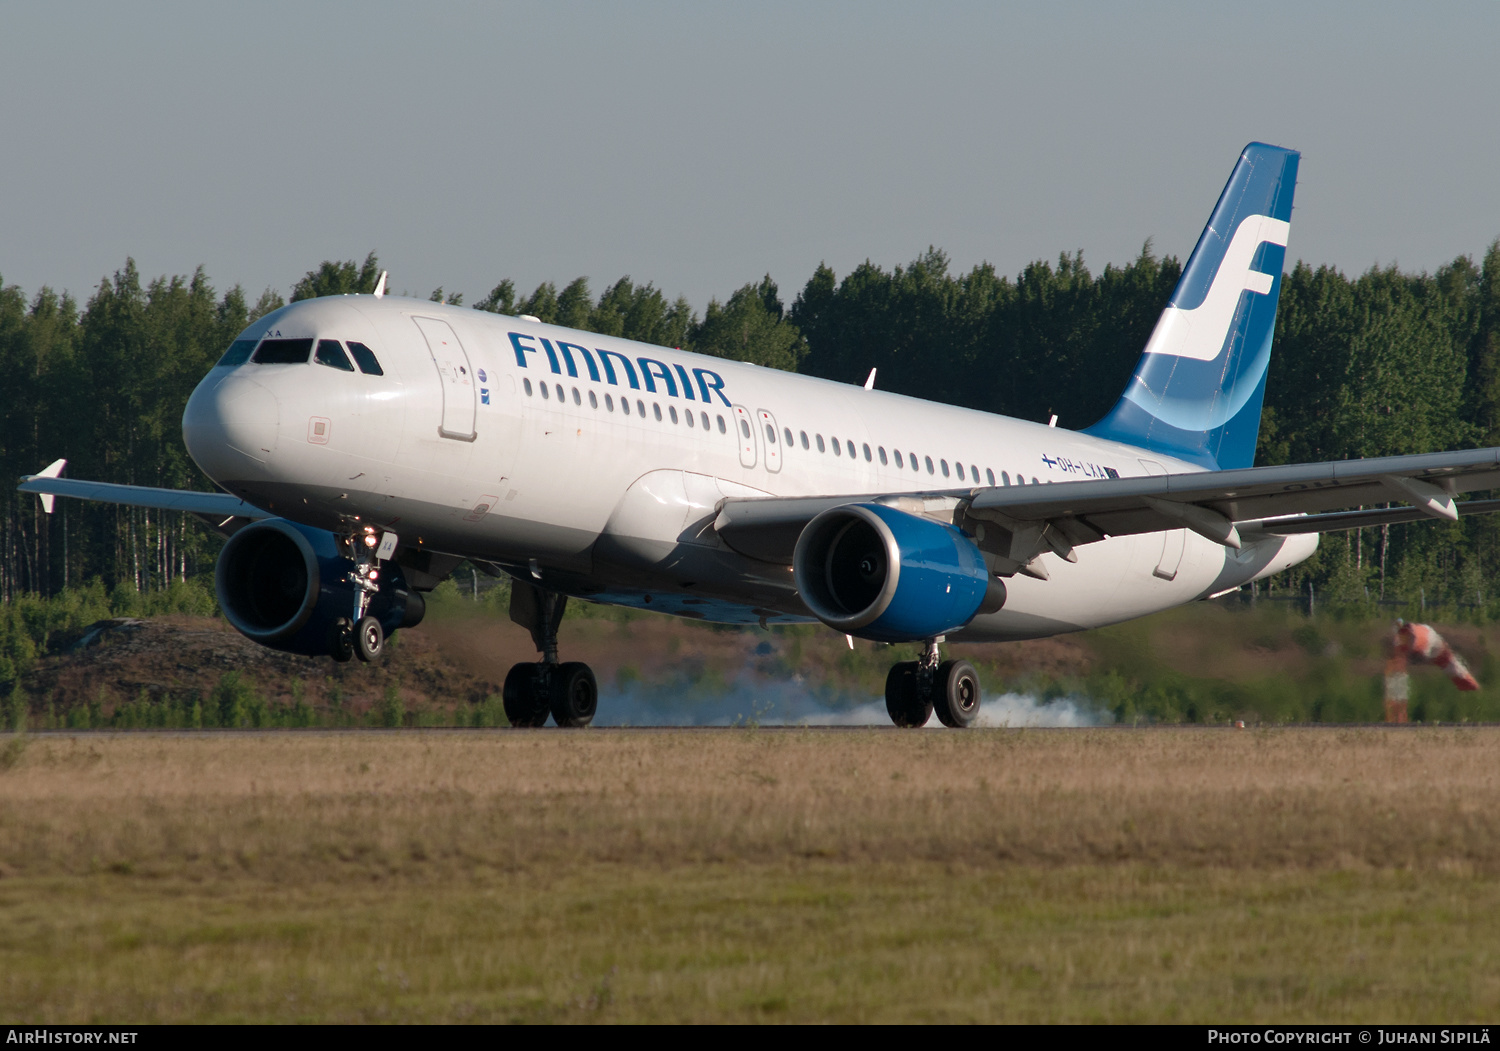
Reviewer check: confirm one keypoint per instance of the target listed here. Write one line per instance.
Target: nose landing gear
(915, 689)
(568, 692)
(360, 635)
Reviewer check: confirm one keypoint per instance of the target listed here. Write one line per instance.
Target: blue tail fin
(1197, 390)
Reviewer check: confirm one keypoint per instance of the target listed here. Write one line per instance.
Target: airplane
(367, 444)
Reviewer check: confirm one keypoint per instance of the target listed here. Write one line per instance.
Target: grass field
(1167, 874)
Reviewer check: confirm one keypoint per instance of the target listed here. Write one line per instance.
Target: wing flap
(1364, 519)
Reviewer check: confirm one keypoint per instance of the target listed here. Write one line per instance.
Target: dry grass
(328, 805)
(633, 875)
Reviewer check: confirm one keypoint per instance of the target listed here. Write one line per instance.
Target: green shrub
(392, 709)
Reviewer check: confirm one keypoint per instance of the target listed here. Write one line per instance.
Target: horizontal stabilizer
(221, 505)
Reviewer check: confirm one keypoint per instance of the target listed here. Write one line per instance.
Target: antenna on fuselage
(870, 380)
(380, 285)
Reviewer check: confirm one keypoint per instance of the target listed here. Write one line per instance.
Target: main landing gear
(568, 691)
(915, 689)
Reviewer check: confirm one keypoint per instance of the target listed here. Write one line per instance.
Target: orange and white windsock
(1419, 644)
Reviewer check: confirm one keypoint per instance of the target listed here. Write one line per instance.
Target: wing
(1025, 521)
(224, 512)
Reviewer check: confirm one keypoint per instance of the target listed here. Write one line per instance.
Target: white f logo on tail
(1199, 333)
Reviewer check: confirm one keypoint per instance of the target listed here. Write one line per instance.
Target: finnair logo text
(652, 375)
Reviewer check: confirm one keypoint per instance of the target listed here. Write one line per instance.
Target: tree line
(1385, 362)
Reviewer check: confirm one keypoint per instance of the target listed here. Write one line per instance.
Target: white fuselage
(514, 448)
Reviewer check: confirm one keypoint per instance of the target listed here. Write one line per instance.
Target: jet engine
(287, 586)
(883, 574)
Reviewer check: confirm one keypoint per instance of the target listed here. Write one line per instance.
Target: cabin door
(455, 376)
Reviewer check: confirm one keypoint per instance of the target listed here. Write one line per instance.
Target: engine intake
(882, 574)
(268, 580)
(285, 586)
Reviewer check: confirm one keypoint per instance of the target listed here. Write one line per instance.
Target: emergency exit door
(767, 429)
(455, 377)
(745, 432)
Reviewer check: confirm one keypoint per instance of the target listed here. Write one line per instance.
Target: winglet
(380, 285)
(52, 470)
(870, 380)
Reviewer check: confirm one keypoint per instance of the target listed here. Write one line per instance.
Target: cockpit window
(332, 355)
(284, 352)
(238, 352)
(366, 358)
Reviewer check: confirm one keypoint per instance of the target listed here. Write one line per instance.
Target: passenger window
(820, 444)
(804, 439)
(625, 406)
(527, 384)
(1034, 481)
(546, 391)
(787, 435)
(974, 472)
(560, 395)
(850, 443)
(881, 451)
(945, 467)
(770, 435)
(960, 469)
(838, 450)
(899, 462)
(868, 457)
(913, 458)
(656, 408)
(1004, 478)
(364, 357)
(688, 415)
(722, 428)
(640, 408)
(238, 352)
(284, 352)
(744, 429)
(929, 465)
(704, 417)
(990, 475)
(593, 400)
(609, 403)
(576, 399)
(672, 409)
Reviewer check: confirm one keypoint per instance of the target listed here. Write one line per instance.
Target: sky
(701, 145)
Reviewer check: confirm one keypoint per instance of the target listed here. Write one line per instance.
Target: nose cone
(230, 427)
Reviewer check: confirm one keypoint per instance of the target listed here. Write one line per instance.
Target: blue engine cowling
(285, 586)
(882, 574)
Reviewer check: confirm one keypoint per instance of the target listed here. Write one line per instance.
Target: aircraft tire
(958, 697)
(903, 696)
(341, 641)
(369, 640)
(575, 694)
(525, 703)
